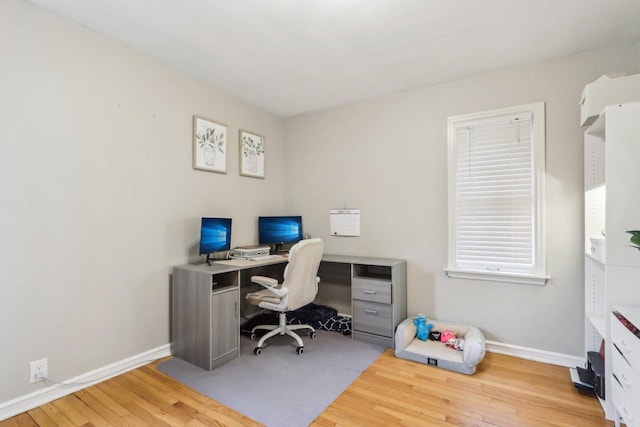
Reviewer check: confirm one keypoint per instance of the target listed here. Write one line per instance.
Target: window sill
(526, 279)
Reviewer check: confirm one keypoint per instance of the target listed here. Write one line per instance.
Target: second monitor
(278, 230)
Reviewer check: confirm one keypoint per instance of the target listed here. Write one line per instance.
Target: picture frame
(209, 145)
(252, 148)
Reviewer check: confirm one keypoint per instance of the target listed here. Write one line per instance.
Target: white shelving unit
(612, 206)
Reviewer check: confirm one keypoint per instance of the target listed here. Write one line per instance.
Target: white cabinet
(612, 267)
(625, 372)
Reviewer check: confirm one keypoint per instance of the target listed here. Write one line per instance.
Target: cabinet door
(225, 323)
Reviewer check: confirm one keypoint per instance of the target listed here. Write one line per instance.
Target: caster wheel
(257, 351)
(300, 350)
(312, 334)
(252, 337)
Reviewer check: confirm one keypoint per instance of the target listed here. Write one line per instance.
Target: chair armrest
(270, 284)
(264, 281)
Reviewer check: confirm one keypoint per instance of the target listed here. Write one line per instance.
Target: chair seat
(264, 295)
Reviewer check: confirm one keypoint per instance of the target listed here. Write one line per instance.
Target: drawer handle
(622, 346)
(625, 382)
(369, 292)
(370, 311)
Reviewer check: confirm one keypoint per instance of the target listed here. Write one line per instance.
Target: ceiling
(294, 56)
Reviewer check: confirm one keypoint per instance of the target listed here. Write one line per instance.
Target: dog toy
(456, 344)
(423, 328)
(447, 335)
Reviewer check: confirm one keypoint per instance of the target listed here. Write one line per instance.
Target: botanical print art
(251, 154)
(209, 145)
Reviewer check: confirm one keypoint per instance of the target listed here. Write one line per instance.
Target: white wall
(98, 196)
(388, 157)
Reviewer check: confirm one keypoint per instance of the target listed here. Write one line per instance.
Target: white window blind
(494, 195)
(496, 171)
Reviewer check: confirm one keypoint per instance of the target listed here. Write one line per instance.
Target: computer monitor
(276, 230)
(215, 235)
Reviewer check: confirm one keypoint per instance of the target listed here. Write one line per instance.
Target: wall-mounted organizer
(344, 222)
(611, 153)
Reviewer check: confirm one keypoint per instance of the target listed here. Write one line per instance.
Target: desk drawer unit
(372, 309)
(625, 363)
(378, 300)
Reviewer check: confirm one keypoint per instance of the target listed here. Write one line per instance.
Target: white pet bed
(436, 353)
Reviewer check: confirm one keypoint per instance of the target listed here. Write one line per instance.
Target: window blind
(494, 195)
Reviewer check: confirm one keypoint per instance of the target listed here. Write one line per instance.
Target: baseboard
(45, 395)
(535, 354)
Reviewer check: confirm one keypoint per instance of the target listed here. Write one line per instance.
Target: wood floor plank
(78, 412)
(20, 420)
(214, 412)
(41, 417)
(57, 417)
(129, 400)
(505, 392)
(103, 407)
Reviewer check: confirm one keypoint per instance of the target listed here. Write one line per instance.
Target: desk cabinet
(205, 317)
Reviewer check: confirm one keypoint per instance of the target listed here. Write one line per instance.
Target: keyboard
(266, 257)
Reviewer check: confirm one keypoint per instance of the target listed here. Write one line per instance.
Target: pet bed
(436, 353)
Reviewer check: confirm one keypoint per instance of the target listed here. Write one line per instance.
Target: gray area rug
(280, 388)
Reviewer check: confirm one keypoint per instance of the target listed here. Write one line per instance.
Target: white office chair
(298, 289)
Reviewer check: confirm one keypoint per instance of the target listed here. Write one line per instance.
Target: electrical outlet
(38, 370)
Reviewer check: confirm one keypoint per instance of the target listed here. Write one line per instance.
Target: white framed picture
(251, 154)
(209, 145)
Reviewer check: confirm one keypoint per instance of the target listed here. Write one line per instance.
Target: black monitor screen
(279, 229)
(215, 235)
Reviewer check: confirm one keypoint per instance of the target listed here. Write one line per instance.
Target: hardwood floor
(506, 391)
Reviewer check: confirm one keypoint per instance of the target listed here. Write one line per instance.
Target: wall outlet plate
(38, 370)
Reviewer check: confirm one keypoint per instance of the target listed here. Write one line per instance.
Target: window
(496, 189)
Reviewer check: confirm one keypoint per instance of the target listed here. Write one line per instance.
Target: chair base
(281, 329)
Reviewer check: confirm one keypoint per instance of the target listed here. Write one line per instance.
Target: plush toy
(422, 326)
(456, 344)
(447, 335)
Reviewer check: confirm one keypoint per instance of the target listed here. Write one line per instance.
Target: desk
(206, 301)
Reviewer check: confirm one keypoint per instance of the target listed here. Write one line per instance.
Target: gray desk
(207, 302)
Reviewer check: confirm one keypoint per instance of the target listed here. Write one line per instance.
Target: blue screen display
(279, 229)
(215, 235)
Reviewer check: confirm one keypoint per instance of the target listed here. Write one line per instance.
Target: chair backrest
(301, 273)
